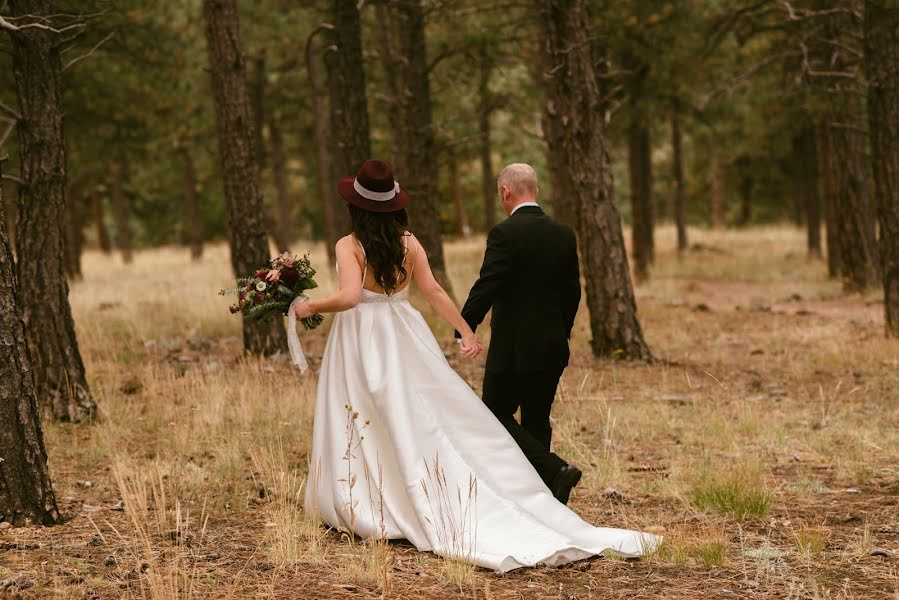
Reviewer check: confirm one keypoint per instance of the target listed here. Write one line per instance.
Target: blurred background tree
(716, 115)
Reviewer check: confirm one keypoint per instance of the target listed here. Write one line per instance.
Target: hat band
(376, 196)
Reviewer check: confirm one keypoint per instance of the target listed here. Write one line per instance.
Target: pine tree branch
(8, 25)
(10, 111)
(78, 59)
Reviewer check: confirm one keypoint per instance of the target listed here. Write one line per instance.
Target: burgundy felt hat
(373, 188)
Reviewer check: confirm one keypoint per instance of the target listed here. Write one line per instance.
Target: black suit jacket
(531, 281)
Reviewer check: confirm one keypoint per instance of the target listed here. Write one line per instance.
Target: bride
(402, 448)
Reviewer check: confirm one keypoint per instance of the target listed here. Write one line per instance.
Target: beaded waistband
(381, 298)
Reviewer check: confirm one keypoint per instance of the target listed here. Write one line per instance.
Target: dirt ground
(763, 443)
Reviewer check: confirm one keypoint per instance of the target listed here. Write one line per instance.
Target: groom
(530, 279)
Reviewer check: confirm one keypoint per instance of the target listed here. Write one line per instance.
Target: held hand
(471, 345)
(304, 310)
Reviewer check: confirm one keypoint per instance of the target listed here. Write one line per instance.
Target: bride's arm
(350, 285)
(440, 300)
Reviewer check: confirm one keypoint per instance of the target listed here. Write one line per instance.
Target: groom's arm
(497, 261)
(572, 284)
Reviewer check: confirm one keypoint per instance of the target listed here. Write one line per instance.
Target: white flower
(260, 286)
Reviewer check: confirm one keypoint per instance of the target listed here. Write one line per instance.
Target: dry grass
(763, 444)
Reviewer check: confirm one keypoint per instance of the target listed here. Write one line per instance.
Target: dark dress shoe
(564, 481)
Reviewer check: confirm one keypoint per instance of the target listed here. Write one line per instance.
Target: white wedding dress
(403, 448)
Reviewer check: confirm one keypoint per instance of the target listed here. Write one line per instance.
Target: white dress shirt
(522, 205)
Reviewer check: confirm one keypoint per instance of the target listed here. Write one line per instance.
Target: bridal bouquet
(271, 290)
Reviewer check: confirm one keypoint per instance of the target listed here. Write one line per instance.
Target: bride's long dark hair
(381, 235)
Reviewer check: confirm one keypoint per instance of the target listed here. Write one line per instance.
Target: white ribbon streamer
(293, 341)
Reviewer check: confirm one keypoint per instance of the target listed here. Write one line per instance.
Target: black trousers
(534, 393)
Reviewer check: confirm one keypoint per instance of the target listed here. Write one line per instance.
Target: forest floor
(763, 443)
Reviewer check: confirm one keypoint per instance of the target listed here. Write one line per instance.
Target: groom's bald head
(517, 183)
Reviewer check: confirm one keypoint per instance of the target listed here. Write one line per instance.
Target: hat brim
(348, 192)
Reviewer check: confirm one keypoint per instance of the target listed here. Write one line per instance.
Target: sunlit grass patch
(811, 540)
(739, 493)
(705, 547)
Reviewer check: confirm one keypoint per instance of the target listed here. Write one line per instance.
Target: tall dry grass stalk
(454, 520)
(162, 533)
(292, 536)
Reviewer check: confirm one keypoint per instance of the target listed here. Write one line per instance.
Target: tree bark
(285, 224)
(680, 194)
(747, 182)
(564, 200)
(640, 172)
(257, 101)
(855, 228)
(325, 171)
(192, 205)
(461, 215)
(718, 200)
(806, 163)
(829, 198)
(351, 145)
(11, 214)
(855, 215)
(60, 379)
(639, 167)
(413, 128)
(240, 167)
(100, 222)
(572, 100)
(485, 110)
(882, 70)
(121, 211)
(74, 240)
(26, 495)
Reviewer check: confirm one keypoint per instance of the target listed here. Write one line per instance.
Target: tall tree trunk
(257, 101)
(806, 163)
(325, 171)
(414, 129)
(485, 110)
(26, 495)
(100, 222)
(855, 214)
(240, 167)
(677, 167)
(351, 145)
(74, 240)
(642, 218)
(829, 198)
(461, 216)
(747, 182)
(882, 70)
(564, 201)
(855, 236)
(639, 166)
(60, 380)
(192, 205)
(285, 224)
(572, 100)
(11, 213)
(718, 200)
(121, 211)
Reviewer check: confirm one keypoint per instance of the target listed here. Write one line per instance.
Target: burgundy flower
(289, 275)
(260, 297)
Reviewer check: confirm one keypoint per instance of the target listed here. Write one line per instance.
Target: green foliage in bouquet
(269, 291)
